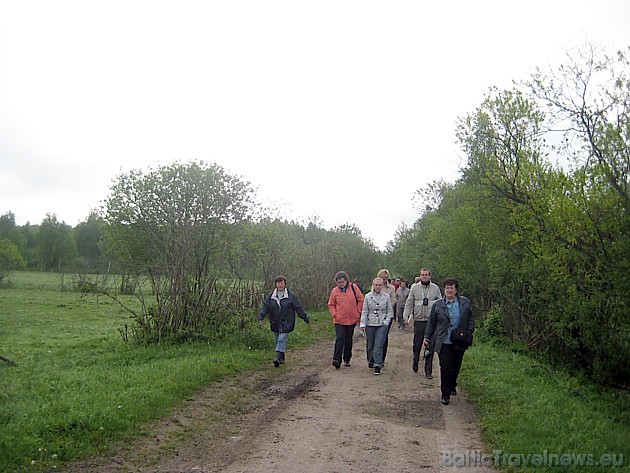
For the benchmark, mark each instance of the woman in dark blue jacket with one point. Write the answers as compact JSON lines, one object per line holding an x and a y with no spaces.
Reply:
{"x":281,"y":306}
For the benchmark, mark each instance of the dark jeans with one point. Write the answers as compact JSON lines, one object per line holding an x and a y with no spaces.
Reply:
{"x":450,"y":364}
{"x":386,"y":339}
{"x":399,"y":316}
{"x":343,"y":342}
{"x":419,"y":328}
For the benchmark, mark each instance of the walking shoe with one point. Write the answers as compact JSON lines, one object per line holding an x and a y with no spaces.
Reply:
{"x":276,"y":362}
{"x":370,"y":365}
{"x":445,"y":401}
{"x":429,"y":376}
{"x":347,"y":363}
{"x":414,"y":367}
{"x":453,"y":392}
{"x":377,"y":370}
{"x":336,"y":364}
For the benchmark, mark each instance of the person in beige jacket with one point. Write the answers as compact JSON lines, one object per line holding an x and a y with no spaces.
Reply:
{"x":421,"y":297}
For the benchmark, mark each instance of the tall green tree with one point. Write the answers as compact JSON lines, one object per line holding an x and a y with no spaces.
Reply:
{"x":9,"y":230}
{"x":55,"y":244}
{"x":29,"y":236}
{"x":177,"y":225}
{"x":546,"y":246}
{"x":10,"y":259}
{"x":589,"y":99}
{"x":89,"y":236}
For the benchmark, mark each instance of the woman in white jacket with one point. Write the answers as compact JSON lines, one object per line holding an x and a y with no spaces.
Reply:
{"x":376,"y":315}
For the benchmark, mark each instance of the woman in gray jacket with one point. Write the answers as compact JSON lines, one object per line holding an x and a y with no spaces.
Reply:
{"x":376,"y":315}
{"x":451,"y":314}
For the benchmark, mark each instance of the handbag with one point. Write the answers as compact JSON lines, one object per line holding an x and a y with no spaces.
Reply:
{"x":461,"y":338}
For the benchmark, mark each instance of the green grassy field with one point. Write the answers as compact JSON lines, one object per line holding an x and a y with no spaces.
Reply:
{"x":538,"y":418}
{"x":77,"y":386}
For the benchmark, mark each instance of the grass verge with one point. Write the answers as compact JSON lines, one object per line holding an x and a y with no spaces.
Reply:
{"x":76,"y":387}
{"x":538,"y":418}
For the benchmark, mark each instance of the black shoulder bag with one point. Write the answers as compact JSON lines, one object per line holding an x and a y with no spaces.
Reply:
{"x":460,"y":336}
{"x":354,"y":292}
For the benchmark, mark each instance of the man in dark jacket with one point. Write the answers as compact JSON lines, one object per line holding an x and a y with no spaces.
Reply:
{"x":281,"y":306}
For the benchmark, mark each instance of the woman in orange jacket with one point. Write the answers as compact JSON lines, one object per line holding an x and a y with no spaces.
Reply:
{"x":345,"y":305}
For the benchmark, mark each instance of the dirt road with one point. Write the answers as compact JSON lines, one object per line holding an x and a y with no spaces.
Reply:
{"x":307,"y":416}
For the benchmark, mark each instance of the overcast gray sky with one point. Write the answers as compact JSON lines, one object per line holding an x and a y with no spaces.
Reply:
{"x":336,"y":109}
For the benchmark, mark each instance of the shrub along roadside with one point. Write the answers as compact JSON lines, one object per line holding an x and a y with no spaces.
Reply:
{"x":77,"y":387}
{"x":530,"y":411}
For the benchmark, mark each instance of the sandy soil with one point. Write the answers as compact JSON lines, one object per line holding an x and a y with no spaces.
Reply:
{"x":307,"y":416}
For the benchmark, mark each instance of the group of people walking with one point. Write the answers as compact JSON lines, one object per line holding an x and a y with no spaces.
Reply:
{"x":441,"y":324}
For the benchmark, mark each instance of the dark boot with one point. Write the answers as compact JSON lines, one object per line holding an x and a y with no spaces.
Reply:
{"x":415,"y":365}
{"x":281,"y":357}
{"x":277,"y":361}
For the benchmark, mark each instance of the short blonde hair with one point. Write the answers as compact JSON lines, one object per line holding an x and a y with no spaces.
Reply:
{"x":383,"y":274}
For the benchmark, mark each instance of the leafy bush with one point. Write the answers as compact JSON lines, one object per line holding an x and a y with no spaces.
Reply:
{"x":10,"y":259}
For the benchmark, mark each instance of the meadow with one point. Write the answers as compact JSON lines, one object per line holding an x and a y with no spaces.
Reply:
{"x":77,"y":387}
{"x":535,"y":417}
